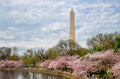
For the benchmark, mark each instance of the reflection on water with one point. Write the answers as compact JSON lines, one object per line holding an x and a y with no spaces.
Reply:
{"x":27,"y":75}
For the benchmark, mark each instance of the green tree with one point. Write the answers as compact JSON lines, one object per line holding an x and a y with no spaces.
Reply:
{"x":32,"y":61}
{"x":83,"y":51}
{"x":117,"y":43}
{"x":52,"y":53}
{"x":30,"y":58}
{"x":14,"y":57}
{"x":27,"y":61}
{"x":102,"y":41}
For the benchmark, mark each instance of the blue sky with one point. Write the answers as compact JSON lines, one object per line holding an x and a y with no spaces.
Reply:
{"x":42,"y":23}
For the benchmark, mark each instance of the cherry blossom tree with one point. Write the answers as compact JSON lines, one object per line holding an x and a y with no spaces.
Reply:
{"x":116,"y":70}
{"x":46,"y":63}
{"x":7,"y":63}
{"x":93,"y":63}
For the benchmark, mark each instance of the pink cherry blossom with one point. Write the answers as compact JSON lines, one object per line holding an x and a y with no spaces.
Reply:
{"x":90,"y":63}
{"x":7,"y":63}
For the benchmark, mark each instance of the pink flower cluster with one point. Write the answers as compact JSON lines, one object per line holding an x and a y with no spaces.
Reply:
{"x":116,"y":70}
{"x":7,"y":63}
{"x":90,"y":63}
{"x":60,"y":62}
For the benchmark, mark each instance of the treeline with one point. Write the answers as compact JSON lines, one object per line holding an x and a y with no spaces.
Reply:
{"x":9,"y":53}
{"x":32,"y":57}
{"x":102,"y":42}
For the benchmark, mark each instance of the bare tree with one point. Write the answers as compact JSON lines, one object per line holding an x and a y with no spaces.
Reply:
{"x":41,"y":54}
{"x":67,"y":47}
{"x":5,"y":52}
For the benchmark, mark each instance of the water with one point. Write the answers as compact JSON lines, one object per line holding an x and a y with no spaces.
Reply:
{"x":27,"y":75}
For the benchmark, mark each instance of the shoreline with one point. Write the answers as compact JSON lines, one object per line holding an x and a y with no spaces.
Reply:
{"x":39,"y":70}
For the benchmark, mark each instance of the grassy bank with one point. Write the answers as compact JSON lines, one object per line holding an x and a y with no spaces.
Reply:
{"x":69,"y":76}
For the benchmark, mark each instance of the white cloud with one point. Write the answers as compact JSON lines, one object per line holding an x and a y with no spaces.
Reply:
{"x":41,"y":23}
{"x":36,"y":43}
{"x":96,"y":5}
{"x":6,"y":35}
{"x":11,"y":28}
{"x":55,"y":27}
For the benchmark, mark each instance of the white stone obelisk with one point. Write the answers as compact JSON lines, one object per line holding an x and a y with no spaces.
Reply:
{"x":72,"y":25}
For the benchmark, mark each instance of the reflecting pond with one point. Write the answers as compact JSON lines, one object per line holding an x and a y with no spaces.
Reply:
{"x":27,"y":75}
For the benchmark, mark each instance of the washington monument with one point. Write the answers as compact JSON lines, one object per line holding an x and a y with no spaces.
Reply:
{"x":72,"y":26}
